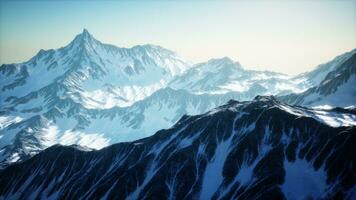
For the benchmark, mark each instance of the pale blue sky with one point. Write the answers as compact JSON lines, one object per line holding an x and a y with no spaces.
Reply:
{"x":283,"y":36}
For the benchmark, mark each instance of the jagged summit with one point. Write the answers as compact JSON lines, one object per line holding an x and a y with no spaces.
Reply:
{"x":83,"y":38}
{"x":85,"y":32}
{"x":86,"y":39}
{"x":265,"y":98}
{"x":224,"y":61}
{"x":87,"y":36}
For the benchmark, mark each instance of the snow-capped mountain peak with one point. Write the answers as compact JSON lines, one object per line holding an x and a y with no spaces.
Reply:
{"x":86,"y":33}
{"x":262,"y":98}
{"x":86,"y":65}
{"x":222,"y":60}
{"x":84,"y":38}
{"x":223,"y":75}
{"x":220,"y":63}
{"x":65,"y":85}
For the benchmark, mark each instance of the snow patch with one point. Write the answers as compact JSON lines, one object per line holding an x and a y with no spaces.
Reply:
{"x":91,"y":140}
{"x":5,"y":121}
{"x":302,"y":181}
{"x":213,"y":175}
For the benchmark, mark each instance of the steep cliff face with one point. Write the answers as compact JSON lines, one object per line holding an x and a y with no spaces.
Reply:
{"x":261,"y":149}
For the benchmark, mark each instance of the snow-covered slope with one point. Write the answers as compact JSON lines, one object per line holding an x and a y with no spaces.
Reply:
{"x":338,"y":88}
{"x":262,"y":149}
{"x":218,"y":76}
{"x":71,"y":123}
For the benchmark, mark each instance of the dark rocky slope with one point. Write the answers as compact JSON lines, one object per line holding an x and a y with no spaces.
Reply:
{"x":262,"y":149}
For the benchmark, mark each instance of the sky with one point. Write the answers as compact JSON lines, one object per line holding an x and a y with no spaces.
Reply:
{"x":284,"y":36}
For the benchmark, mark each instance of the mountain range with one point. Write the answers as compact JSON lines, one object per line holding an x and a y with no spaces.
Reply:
{"x":258,"y":149}
{"x":93,"y":94}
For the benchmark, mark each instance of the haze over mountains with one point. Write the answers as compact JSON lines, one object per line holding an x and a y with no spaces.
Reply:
{"x":94,"y":94}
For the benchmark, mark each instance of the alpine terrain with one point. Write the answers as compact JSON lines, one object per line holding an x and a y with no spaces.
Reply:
{"x":93,"y":94}
{"x":259,"y":149}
